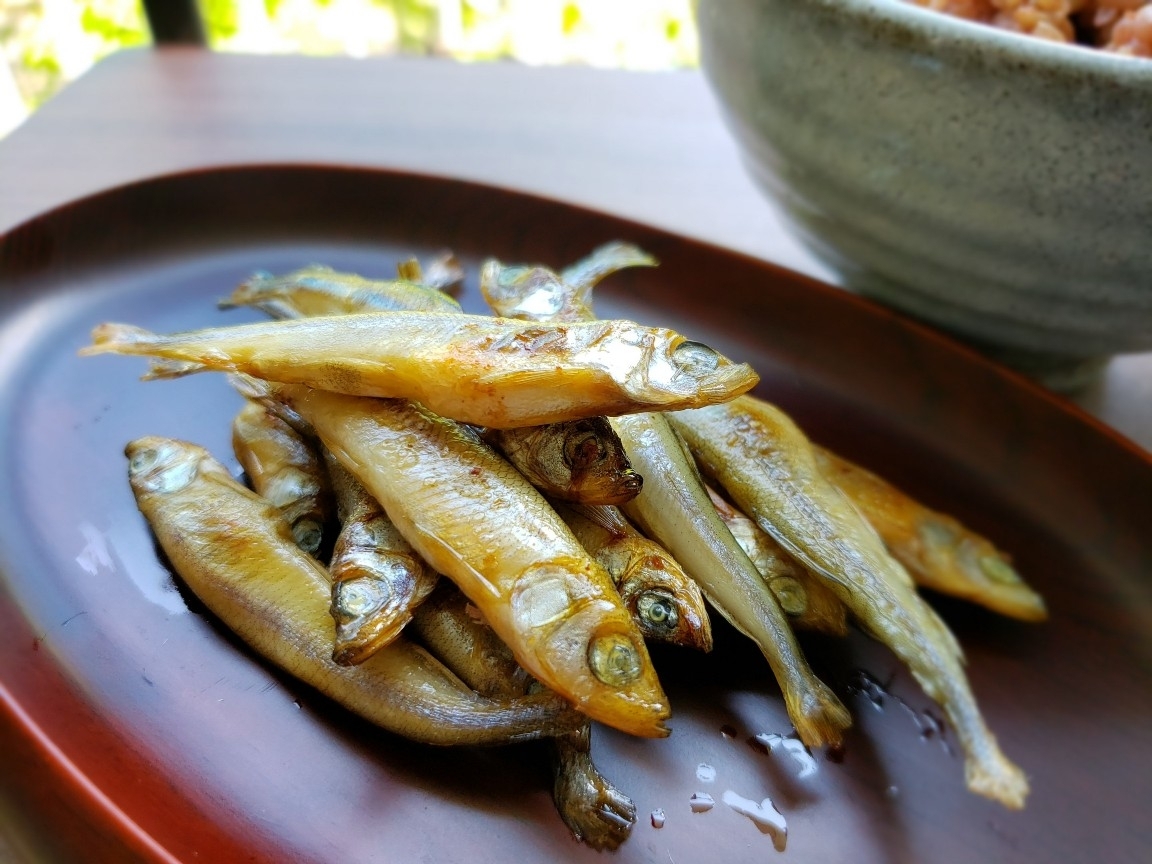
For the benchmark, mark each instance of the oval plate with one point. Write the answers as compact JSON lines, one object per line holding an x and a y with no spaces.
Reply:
{"x":135,"y":727}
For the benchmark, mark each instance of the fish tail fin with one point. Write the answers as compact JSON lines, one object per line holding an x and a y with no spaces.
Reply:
{"x":114,"y":338}
{"x":159,"y":370}
{"x":251,"y":291}
{"x":249,"y":387}
{"x":997,"y":778}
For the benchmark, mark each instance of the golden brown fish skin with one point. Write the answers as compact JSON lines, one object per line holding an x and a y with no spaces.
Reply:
{"x":285,"y":468}
{"x":674,"y":509}
{"x":939,"y":551}
{"x":765,"y":464}
{"x":595,"y":811}
{"x":664,"y":601}
{"x":235,"y":552}
{"x":577,"y":460}
{"x":474,"y":518}
{"x":454,"y":630}
{"x":318,"y":290}
{"x":476,"y":369}
{"x":377,"y":577}
{"x":808,"y":601}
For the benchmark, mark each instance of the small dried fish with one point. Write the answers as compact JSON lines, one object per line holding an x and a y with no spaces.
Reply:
{"x":674,"y":508}
{"x":285,"y":468}
{"x":377,"y":577}
{"x":808,"y":601}
{"x":235,"y":552}
{"x":594,"y":810}
{"x":577,"y":460}
{"x":474,"y":518}
{"x":939,"y":552}
{"x":480,"y":370}
{"x":765,"y":463}
{"x":319,"y":290}
{"x":665,"y":602}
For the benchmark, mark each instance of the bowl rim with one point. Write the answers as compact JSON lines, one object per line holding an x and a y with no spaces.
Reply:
{"x":951,"y":32}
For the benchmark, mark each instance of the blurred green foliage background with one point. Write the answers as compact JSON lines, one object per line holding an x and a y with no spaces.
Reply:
{"x":47,"y":43}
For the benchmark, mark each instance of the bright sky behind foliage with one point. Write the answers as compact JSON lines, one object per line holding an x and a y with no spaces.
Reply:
{"x":47,"y":43}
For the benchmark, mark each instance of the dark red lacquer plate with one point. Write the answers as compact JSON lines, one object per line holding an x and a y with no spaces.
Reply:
{"x":134,"y":727}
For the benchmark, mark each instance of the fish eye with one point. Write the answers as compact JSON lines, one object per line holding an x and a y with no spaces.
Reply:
{"x":584,"y":449}
{"x":162,"y":468}
{"x":308,"y":533}
{"x":790,"y":594}
{"x":657,"y":610}
{"x":355,"y":598}
{"x":614,"y":660}
{"x":144,"y":460}
{"x":695,"y":358}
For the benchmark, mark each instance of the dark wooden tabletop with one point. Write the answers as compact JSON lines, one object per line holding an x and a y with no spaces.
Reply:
{"x":648,"y":146}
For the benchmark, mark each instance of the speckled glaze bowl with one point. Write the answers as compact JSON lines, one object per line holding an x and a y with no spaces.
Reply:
{"x":994,"y":185}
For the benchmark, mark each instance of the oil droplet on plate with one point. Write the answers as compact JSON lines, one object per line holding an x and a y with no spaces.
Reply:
{"x":705,"y":773}
{"x":657,"y":818}
{"x":764,"y":816}
{"x":793,"y":747}
{"x":701,"y":802}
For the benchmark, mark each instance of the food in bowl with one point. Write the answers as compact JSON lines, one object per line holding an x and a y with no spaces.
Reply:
{"x":1120,"y":26}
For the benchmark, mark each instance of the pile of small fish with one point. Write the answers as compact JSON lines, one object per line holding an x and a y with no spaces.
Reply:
{"x":556,"y":468}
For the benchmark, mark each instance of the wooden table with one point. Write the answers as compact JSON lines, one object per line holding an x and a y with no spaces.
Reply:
{"x":651,"y":147}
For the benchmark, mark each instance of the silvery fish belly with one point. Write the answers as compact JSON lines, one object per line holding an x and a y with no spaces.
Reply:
{"x":492,"y":372}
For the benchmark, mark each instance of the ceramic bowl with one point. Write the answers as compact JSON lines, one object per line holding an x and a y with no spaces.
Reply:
{"x":995,"y":185}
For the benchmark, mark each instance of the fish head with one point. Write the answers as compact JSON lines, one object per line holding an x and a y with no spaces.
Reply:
{"x":165,"y":466}
{"x":531,"y":294}
{"x":373,"y":588}
{"x":663,"y":368}
{"x":592,"y":457}
{"x":664,"y":601}
{"x":585,"y":645}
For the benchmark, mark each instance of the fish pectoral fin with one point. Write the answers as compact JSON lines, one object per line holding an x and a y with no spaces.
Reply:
{"x":163,"y":369}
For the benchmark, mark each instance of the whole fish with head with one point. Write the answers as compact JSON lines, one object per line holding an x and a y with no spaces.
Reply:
{"x":576,"y":460}
{"x":377,"y":577}
{"x":939,"y":551}
{"x":319,"y":290}
{"x":474,"y":518}
{"x":284,"y":467}
{"x":477,"y":369}
{"x":665,"y":602}
{"x":765,"y":464}
{"x":675,"y":510}
{"x":235,"y":552}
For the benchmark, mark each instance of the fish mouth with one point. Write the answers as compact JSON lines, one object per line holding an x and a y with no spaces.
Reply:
{"x":161,"y":465}
{"x":627,"y":487}
{"x":727,"y":383}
